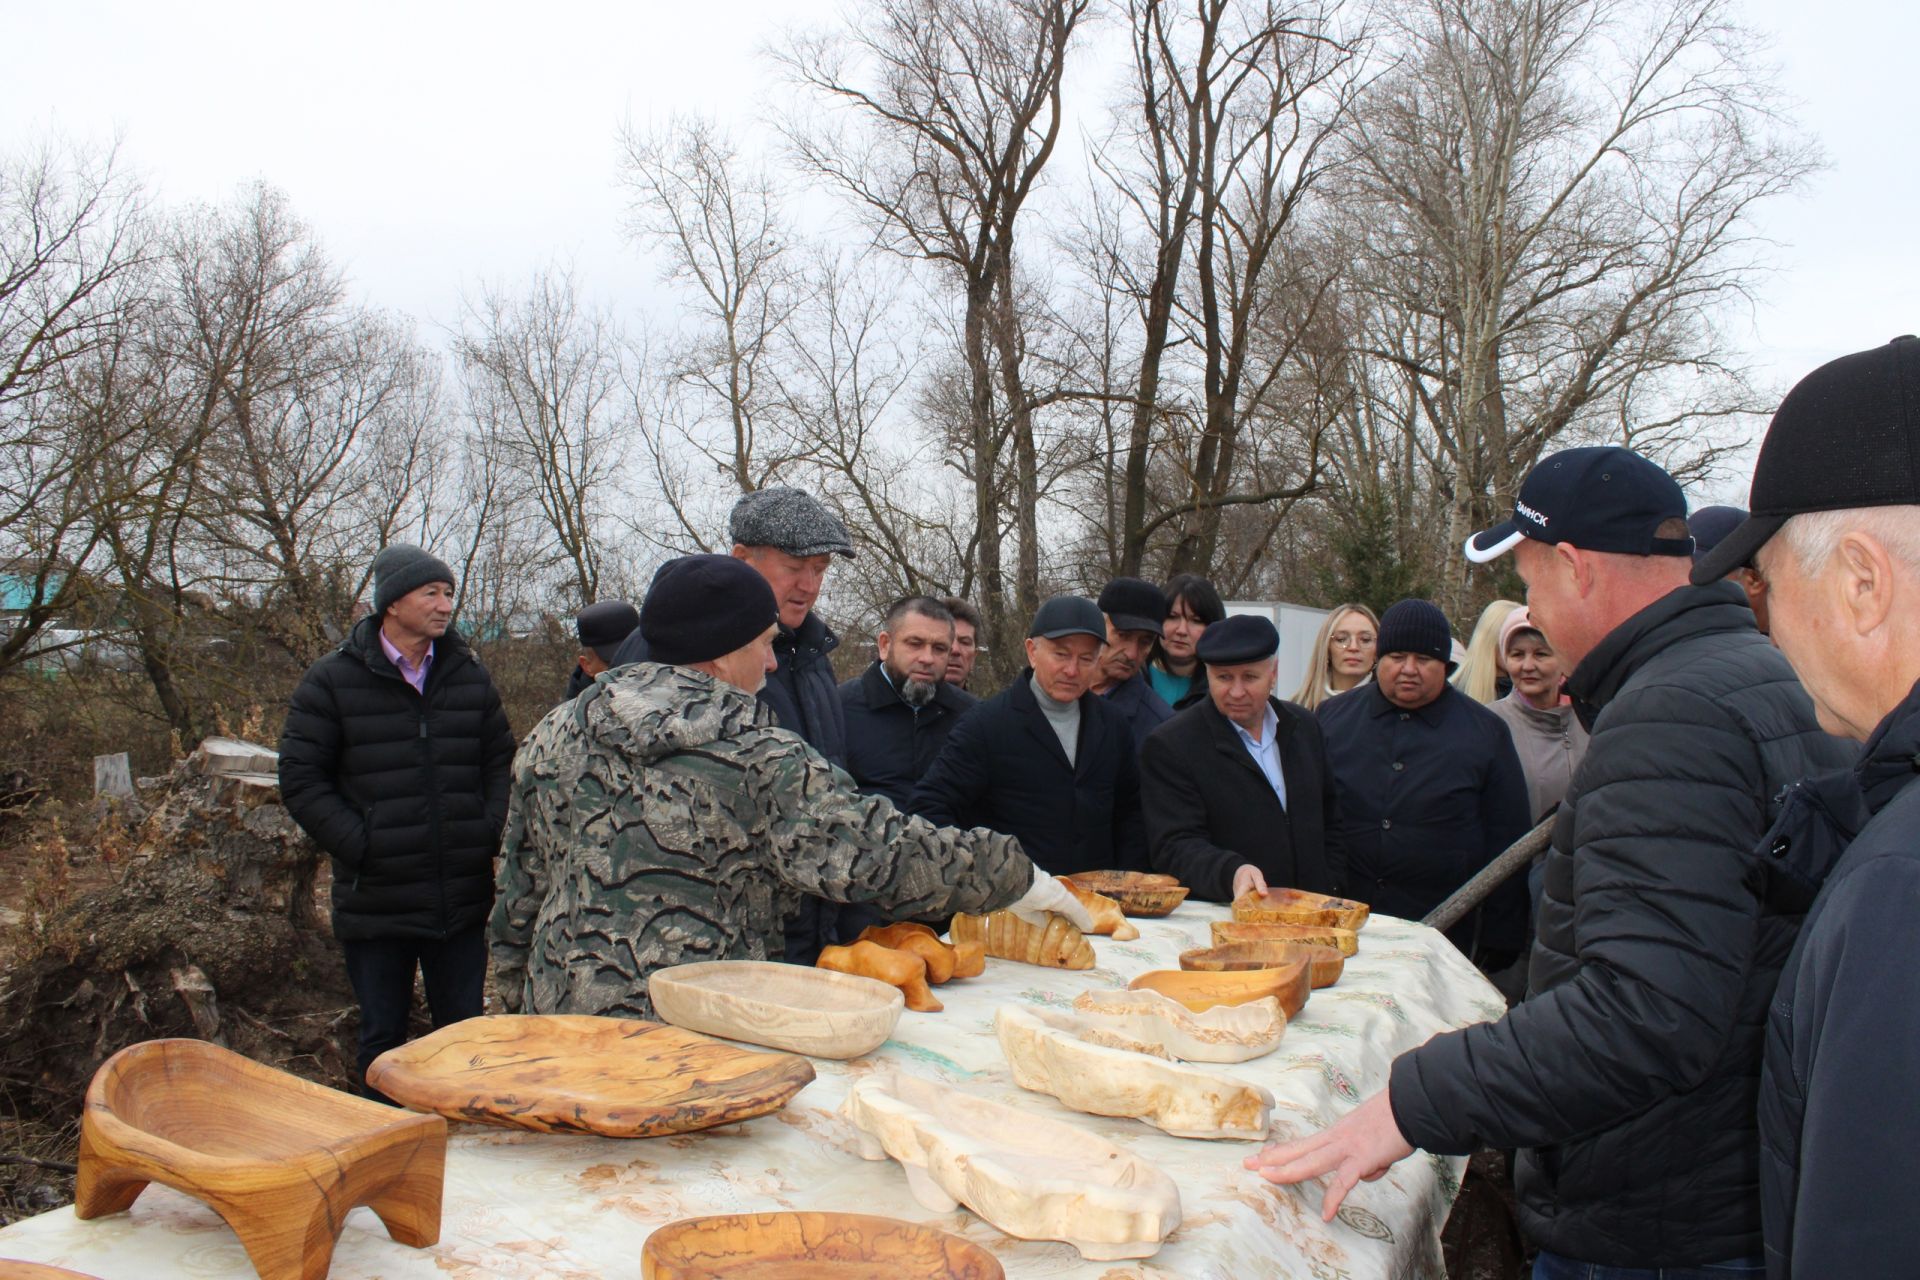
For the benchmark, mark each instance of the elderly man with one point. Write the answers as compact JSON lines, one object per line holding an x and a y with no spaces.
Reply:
{"x":1046,"y":760}
{"x":1236,"y":788}
{"x":1430,"y":787}
{"x":1835,"y":537}
{"x":1628,"y":1077}
{"x":900,"y":710}
{"x":602,"y":628}
{"x":966,"y":641}
{"x":1134,"y":611}
{"x":661,"y":818}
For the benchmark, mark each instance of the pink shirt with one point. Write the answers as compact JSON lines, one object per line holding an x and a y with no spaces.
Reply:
{"x":415,"y":676}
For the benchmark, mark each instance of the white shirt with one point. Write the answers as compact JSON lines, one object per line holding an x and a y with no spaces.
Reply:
{"x":1266,"y":751}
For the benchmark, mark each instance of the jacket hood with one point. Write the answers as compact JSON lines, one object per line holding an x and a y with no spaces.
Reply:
{"x":661,"y":710}
{"x":1681,"y":614}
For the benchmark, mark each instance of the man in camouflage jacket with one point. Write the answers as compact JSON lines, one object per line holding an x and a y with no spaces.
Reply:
{"x":661,"y":818}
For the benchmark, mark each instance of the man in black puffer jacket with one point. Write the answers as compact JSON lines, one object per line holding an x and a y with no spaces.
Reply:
{"x":395,"y":759}
{"x":1629,"y":1076}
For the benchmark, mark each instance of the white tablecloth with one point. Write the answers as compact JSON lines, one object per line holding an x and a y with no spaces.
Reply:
{"x":523,"y":1205}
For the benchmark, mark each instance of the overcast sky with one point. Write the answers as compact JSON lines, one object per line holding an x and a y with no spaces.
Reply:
{"x":434,"y":146}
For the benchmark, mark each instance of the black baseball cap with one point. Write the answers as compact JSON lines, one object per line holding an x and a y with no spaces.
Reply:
{"x":1068,"y":616}
{"x":1134,"y":604}
{"x":1597,"y":497}
{"x":1847,"y":435}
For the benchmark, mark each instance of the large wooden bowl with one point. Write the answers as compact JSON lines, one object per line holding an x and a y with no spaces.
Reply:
{"x":1345,"y":941}
{"x":803,"y":1246}
{"x":1324,"y":963}
{"x":813,"y":1011}
{"x":1289,"y":984}
{"x":617,"y":1077}
{"x":1139,"y":893}
{"x":1298,"y":906}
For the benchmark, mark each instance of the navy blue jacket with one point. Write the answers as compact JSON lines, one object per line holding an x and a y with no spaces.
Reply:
{"x":1427,"y":798}
{"x":891,"y":745}
{"x":1003,"y":768}
{"x":1144,"y":710}
{"x":1629,"y":1077}
{"x":1839,"y":1132}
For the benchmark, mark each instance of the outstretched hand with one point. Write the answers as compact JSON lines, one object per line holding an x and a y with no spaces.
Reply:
{"x":1248,"y":880}
{"x":1361,"y":1146}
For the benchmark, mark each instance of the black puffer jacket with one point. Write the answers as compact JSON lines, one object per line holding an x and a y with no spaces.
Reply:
{"x":407,"y":792}
{"x":1630,"y":1074}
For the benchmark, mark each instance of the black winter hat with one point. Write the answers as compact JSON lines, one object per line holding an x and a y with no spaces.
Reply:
{"x":704,"y":607}
{"x":402,"y":568}
{"x":1244,"y":638}
{"x":1847,"y":435}
{"x":603,"y":625}
{"x":1416,"y":626}
{"x":1134,"y":604}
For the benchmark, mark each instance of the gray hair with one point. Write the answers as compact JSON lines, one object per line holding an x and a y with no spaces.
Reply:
{"x":1814,"y":536}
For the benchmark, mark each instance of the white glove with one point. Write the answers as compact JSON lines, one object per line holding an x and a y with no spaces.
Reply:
{"x":1047,"y":894}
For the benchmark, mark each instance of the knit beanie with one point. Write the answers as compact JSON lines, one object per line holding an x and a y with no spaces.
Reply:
{"x":1416,"y":626}
{"x":704,"y":607}
{"x":401,"y":568}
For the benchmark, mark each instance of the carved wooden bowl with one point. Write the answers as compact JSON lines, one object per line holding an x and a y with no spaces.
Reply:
{"x":784,"y":1006}
{"x":564,"y":1073}
{"x":803,"y":1246}
{"x":1345,"y":941}
{"x":1139,"y":893}
{"x":1324,"y":963}
{"x":1289,"y":984}
{"x":1298,"y":906}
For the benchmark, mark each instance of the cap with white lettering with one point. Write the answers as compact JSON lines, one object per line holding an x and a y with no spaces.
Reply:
{"x":1597,"y":498}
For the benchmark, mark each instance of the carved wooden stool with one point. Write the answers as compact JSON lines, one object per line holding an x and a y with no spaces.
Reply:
{"x":279,"y":1158}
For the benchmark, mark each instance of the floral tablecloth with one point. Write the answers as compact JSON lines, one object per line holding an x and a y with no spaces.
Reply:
{"x":522,"y":1205}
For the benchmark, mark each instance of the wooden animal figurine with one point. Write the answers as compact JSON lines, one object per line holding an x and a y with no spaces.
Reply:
{"x":900,"y":969}
{"x":905,"y":935}
{"x":1059,"y":945}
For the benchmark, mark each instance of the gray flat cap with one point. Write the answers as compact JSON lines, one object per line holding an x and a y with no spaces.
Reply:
{"x":788,"y":520}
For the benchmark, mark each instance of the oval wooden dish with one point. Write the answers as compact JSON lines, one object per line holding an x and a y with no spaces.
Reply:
{"x":1345,"y":941}
{"x":1139,"y":893}
{"x":783,"y":1006}
{"x":563,"y":1073}
{"x":1325,"y":963}
{"x":806,"y":1246}
{"x":1289,"y":984}
{"x":1148,"y":1022}
{"x":1298,"y":906}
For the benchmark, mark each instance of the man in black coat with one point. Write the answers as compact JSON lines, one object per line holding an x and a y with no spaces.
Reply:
{"x":395,"y":759}
{"x":1431,"y":788}
{"x":1835,"y":540}
{"x":1046,"y":760}
{"x":602,"y":627}
{"x":1236,"y":789}
{"x":900,"y":710}
{"x":1628,"y":1077}
{"x":1134,"y":609}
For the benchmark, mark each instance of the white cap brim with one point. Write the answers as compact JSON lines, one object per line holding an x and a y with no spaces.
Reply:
{"x":1481,"y":555}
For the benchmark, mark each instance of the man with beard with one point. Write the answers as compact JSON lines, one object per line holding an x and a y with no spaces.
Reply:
{"x":1134,"y":609}
{"x":900,"y":709}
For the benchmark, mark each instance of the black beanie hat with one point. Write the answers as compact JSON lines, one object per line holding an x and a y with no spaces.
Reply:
{"x":704,"y":607}
{"x":1416,"y":626}
{"x":401,"y":568}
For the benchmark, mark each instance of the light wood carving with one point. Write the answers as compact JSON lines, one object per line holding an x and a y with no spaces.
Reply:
{"x":1148,"y":1022}
{"x":1060,"y":945}
{"x":783,"y":1006}
{"x":1201,"y":991}
{"x":969,"y":959}
{"x":1051,"y":1053}
{"x":568,"y":1073}
{"x":280,"y":1159}
{"x":1297,"y":906}
{"x":803,"y":1246}
{"x":1029,"y":1175}
{"x":920,"y":941}
{"x":1345,"y":941}
{"x":1324,"y":963}
{"x":901,"y":969}
{"x":1108,"y":919}
{"x":1139,"y":893}
{"x":12,"y":1270}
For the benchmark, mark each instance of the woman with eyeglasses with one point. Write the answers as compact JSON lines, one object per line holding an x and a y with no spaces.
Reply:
{"x":1346,"y":654}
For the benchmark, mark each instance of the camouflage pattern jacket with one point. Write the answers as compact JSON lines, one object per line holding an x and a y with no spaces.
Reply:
{"x":660,"y":818}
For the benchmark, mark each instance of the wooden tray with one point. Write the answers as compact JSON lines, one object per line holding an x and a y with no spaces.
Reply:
{"x":803,"y":1246}
{"x":1325,"y":963}
{"x":782,"y":1006}
{"x":1288,"y":984}
{"x":565,"y":1073}
{"x":1297,"y":906}
{"x":1345,"y":941}
{"x":1139,"y":893}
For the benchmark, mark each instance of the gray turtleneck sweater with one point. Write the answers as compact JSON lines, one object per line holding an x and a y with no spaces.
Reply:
{"x":1063,"y":716}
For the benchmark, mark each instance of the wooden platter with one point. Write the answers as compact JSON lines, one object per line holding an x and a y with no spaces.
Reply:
{"x":1345,"y":941}
{"x":1288,"y":984}
{"x":1324,"y":963}
{"x":811,"y":1246}
{"x":1298,"y":906}
{"x":1139,"y":893}
{"x":783,"y":1006}
{"x":1053,"y":1053}
{"x":565,"y":1073}
{"x":1148,"y":1022}
{"x":13,"y":1270}
{"x":1029,"y":1175}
